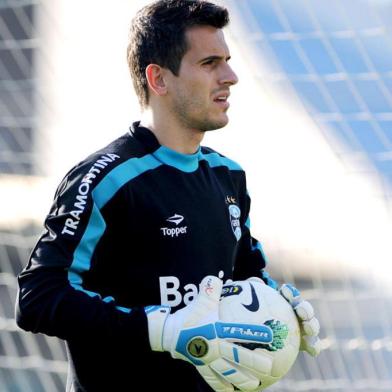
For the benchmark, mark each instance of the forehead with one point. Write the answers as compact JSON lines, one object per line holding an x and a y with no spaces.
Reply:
{"x":204,"y":41}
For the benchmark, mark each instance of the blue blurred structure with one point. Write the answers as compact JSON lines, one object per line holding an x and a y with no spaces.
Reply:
{"x":337,"y":56}
{"x":18,"y":43}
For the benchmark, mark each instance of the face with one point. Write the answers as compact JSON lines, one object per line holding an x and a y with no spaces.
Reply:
{"x":198,"y":96}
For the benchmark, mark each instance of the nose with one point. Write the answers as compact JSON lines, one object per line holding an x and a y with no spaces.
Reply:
{"x":229,"y":77}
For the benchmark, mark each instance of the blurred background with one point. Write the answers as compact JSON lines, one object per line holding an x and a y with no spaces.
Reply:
{"x":311,"y":122}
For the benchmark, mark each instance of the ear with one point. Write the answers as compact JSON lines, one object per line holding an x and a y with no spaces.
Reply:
{"x":155,"y":79}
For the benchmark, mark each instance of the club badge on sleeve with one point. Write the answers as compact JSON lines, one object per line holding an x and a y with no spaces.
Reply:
{"x":235,"y":214}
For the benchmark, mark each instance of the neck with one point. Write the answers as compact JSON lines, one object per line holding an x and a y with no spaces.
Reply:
{"x":171,"y":134}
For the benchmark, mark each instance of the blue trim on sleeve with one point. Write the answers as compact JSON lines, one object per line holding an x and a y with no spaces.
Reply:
{"x":120,"y":175}
{"x":257,"y":247}
{"x":82,"y":255}
{"x":125,"y":310}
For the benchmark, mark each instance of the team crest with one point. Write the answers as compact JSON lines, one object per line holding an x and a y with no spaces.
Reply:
{"x":235,"y":214}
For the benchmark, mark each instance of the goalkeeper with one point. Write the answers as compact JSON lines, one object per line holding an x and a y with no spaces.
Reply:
{"x":129,"y":268}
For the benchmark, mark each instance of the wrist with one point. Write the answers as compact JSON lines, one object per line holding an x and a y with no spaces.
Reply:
{"x":156,"y":318}
{"x":168,"y":330}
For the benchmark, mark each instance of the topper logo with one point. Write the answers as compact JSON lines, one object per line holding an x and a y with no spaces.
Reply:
{"x":174,"y":231}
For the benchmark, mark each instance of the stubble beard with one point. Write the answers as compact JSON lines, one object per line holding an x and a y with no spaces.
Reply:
{"x":194,"y":115}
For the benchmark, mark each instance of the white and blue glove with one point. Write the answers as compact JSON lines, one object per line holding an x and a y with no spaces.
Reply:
{"x":309,"y":324}
{"x":195,"y":334}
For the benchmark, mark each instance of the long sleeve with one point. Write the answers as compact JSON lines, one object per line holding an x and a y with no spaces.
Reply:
{"x":52,"y":298}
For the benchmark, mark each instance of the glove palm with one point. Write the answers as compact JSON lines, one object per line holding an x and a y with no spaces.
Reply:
{"x":196,"y":335}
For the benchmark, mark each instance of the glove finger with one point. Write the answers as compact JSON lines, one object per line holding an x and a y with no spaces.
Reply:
{"x":311,"y":327}
{"x":204,"y":308}
{"x":311,"y":344}
{"x":304,"y":310}
{"x":291,"y":293}
{"x":234,"y":375}
{"x":211,"y":288}
{"x":258,"y":361}
{"x":217,"y":383}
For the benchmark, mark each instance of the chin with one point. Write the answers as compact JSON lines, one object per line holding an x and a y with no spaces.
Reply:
{"x":204,"y":124}
{"x":216,"y":124}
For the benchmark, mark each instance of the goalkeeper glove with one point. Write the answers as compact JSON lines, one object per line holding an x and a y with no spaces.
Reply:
{"x":309,"y":324}
{"x":196,"y":335}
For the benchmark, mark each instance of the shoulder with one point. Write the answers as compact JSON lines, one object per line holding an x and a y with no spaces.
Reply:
{"x":216,"y":159}
{"x":104,"y":166}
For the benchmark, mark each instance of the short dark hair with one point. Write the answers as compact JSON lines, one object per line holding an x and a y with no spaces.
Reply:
{"x":157,"y":36}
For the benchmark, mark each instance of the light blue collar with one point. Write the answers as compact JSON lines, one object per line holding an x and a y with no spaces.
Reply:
{"x":184,"y":162}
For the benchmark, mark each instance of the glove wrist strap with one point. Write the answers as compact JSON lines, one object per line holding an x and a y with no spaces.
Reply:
{"x":156,"y":317}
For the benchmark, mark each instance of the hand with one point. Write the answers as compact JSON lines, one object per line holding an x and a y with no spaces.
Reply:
{"x":309,"y":325}
{"x":196,"y":335}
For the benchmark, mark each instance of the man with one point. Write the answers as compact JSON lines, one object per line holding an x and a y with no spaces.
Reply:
{"x":142,"y":222}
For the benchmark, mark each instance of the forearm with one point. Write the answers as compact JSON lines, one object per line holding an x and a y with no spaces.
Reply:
{"x":48,"y":304}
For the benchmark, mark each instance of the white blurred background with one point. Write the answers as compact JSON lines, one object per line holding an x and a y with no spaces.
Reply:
{"x":311,"y":122}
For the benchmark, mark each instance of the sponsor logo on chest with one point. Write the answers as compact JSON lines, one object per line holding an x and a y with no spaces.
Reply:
{"x":174,"y":292}
{"x":173,"y":228}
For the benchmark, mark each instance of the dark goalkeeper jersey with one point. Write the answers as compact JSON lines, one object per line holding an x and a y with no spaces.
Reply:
{"x":135,"y":224}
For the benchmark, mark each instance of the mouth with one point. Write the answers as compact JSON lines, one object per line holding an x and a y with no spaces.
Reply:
{"x":221,"y":99}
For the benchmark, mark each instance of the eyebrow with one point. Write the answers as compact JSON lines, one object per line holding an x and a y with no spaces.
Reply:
{"x":209,"y":58}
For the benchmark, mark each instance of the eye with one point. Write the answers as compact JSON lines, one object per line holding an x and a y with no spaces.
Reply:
{"x":209,"y":62}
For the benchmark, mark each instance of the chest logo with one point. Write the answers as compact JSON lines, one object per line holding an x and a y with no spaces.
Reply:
{"x":235,"y":214}
{"x":177,"y":219}
{"x":175,"y":230}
